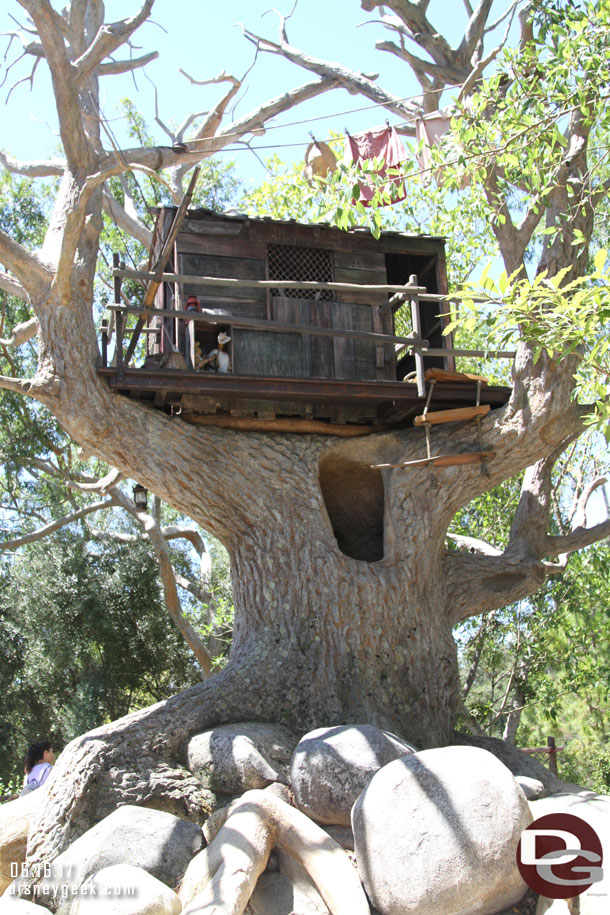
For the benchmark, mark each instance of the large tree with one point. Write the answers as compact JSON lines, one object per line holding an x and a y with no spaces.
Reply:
{"x":320,"y":637}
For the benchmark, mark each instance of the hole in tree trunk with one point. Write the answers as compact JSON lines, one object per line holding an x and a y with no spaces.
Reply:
{"x":354,"y":497}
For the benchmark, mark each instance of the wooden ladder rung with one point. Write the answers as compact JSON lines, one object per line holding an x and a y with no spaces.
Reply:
{"x":452,"y":416}
{"x":443,"y":460}
{"x":456,"y":377}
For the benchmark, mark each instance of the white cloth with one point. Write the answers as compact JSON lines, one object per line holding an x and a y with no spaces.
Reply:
{"x":40,"y":773}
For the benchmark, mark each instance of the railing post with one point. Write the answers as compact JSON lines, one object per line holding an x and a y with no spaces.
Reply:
{"x":104,"y":344}
{"x":550,"y":742}
{"x":416,"y":321}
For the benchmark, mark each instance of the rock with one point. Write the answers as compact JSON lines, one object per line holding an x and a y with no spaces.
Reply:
{"x":342,"y":835}
{"x":237,"y":757}
{"x":518,"y":762}
{"x":125,"y":890}
{"x":595,"y":810}
{"x":12,"y":905}
{"x":14,"y":825}
{"x":331,"y":767}
{"x":286,"y":892}
{"x":553,"y":907}
{"x":531,"y":787}
{"x":158,"y":842}
{"x":437,"y":832}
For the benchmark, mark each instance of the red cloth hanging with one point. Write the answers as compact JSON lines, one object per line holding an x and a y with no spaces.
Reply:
{"x":379,"y":142}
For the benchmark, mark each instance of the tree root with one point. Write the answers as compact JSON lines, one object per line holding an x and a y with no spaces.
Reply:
{"x":136,"y":760}
{"x":221,"y":878}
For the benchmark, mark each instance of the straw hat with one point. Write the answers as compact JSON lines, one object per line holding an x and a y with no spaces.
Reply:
{"x":223,"y":338}
{"x":320,"y":161}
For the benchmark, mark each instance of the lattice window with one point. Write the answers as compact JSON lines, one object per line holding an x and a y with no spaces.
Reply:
{"x":291,"y":262}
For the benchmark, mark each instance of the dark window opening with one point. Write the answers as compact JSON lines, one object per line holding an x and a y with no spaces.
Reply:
{"x":309,"y":265}
{"x":399,"y":267}
{"x":354,"y":497}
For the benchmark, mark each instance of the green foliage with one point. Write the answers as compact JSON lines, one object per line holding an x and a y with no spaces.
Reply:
{"x":84,"y":639}
{"x":558,"y":314}
{"x":431,"y":210}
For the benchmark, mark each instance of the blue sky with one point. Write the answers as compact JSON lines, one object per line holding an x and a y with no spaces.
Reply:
{"x":201,"y":37}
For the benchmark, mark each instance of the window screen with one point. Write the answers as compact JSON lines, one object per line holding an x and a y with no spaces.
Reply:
{"x":291,"y":262}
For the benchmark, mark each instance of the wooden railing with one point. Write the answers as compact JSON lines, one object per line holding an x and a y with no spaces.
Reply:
{"x":411,"y":292}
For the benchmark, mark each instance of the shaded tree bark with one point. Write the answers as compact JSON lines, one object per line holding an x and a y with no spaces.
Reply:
{"x":345,"y":595}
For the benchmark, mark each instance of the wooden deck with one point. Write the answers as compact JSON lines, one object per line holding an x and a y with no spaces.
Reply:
{"x":385,"y":403}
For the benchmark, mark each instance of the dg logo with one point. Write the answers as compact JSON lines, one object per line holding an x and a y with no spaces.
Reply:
{"x":560,"y":856}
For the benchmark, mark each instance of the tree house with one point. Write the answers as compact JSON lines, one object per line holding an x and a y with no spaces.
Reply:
{"x":325,"y":326}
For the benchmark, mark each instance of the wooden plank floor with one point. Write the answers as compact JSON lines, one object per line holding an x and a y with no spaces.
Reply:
{"x":296,"y":389}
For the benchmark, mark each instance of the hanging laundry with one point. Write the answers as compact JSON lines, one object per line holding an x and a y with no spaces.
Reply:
{"x":320,"y":161}
{"x":380,"y":142}
{"x":429,"y":130}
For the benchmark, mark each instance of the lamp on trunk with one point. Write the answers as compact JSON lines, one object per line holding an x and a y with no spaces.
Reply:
{"x":140,"y":497}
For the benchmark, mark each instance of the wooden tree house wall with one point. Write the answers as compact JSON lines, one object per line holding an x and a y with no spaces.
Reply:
{"x":338,"y":368}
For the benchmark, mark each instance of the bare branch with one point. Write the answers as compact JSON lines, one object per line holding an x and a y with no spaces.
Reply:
{"x":12,"y":285}
{"x":41,"y":169}
{"x":579,"y":519}
{"x":55,"y":525}
{"x":479,"y":584}
{"x":109,"y":37}
{"x":168,"y":578}
{"x":103,"y":485}
{"x":577,"y":539}
{"x":124,"y":221}
{"x":29,"y":270}
{"x":79,"y":152}
{"x":475,"y":30}
{"x":22,"y":332}
{"x":160,"y":157}
{"x":113,"y":67}
{"x":473,"y":545}
{"x":352,"y":81}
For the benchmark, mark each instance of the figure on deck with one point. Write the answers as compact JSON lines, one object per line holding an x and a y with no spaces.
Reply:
{"x":218,"y":360}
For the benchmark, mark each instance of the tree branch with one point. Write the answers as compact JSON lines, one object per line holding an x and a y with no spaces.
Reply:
{"x":114,"y":67}
{"x":55,"y":525}
{"x":109,"y":37}
{"x":12,"y":285}
{"x":21,"y":332}
{"x":32,"y":274}
{"x":78,"y":150}
{"x":168,"y":578}
{"x":577,"y":539}
{"x":44,"y":168}
{"x":124,"y":221}
{"x":330,"y":70}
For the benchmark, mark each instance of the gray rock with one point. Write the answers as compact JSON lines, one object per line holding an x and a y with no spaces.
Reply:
{"x":14,"y":825}
{"x":12,"y":905}
{"x":436,"y":832}
{"x":237,"y":757}
{"x":285,"y":893}
{"x":332,"y":766}
{"x":517,"y":761}
{"x":125,"y":890}
{"x":160,"y":843}
{"x":531,"y":787}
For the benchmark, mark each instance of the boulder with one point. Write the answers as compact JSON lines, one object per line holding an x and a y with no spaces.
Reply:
{"x":237,"y":757}
{"x":125,"y":890}
{"x":14,"y":825}
{"x":331,"y":767}
{"x":285,"y":892}
{"x":595,"y":810}
{"x":518,"y":762}
{"x":437,"y":831}
{"x":531,"y":787}
{"x":158,"y":842}
{"x":12,"y":905}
